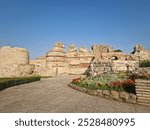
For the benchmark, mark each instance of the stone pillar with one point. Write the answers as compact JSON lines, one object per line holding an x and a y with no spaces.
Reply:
{"x":56,"y":58}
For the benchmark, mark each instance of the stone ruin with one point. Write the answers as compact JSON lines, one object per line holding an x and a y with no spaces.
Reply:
{"x":14,"y":62}
{"x":60,"y":62}
{"x":101,"y":59}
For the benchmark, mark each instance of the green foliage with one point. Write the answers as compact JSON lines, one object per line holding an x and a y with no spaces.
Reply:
{"x":144,"y":63}
{"x":46,"y":77}
{"x":9,"y":82}
{"x":117,"y":50}
{"x":116,"y":82}
{"x":89,"y":84}
{"x":107,"y":78}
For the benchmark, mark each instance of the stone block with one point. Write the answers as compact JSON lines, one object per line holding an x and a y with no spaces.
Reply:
{"x":92,"y":92}
{"x":124,"y":95}
{"x":132,"y":98}
{"x":100,"y":93}
{"x":85,"y":90}
{"x":115,"y":95}
{"x":106,"y":92}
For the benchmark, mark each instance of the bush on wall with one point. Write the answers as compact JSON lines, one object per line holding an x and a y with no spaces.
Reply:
{"x":144,"y":63}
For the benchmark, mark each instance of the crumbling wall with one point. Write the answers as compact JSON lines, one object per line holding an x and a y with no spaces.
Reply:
{"x":98,"y":50}
{"x":41,"y":67}
{"x":100,"y":67}
{"x":79,"y":61}
{"x":60,"y":62}
{"x":119,"y":65}
{"x":14,"y":62}
{"x":139,"y":53}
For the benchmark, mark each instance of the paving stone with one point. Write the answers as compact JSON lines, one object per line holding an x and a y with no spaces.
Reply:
{"x":54,"y":95}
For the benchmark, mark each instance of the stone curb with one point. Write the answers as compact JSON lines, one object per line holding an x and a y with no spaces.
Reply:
{"x":113,"y":95}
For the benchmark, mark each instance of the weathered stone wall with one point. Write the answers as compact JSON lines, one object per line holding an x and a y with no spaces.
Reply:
{"x":120,"y":65}
{"x":106,"y":52}
{"x":99,"y":67}
{"x":98,"y":50}
{"x":9,"y":55}
{"x":143,"y":91}
{"x":14,"y":62}
{"x":114,"y":56}
{"x":139,"y":53}
{"x":141,"y":72}
{"x":80,"y":61}
{"x":56,"y":58}
{"x":41,"y":68}
{"x":106,"y":66}
{"x":60,"y":62}
{"x":142,"y":55}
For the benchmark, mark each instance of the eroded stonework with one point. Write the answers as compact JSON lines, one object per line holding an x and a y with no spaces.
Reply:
{"x":100,"y":59}
{"x":59,"y":62}
{"x":14,"y":62}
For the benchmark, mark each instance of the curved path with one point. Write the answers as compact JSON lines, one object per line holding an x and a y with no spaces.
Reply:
{"x":53,"y":95}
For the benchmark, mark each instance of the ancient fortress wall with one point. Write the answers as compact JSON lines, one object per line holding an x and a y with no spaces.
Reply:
{"x":102,"y":58}
{"x":9,"y":55}
{"x":142,"y":55}
{"x":61,"y":62}
{"x":14,"y":62}
{"x":41,"y":67}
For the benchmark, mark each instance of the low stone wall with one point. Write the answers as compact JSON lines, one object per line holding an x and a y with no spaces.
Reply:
{"x":100,"y":67}
{"x":119,"y":96}
{"x":119,"y":65}
{"x":143,"y":91}
{"x":141,"y":71}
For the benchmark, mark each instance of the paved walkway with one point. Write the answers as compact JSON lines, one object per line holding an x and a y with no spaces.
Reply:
{"x":53,"y":95}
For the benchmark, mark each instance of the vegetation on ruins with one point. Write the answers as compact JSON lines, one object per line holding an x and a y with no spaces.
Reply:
{"x":144,"y":63}
{"x":117,"y":82}
{"x":118,"y":50}
{"x":9,"y":82}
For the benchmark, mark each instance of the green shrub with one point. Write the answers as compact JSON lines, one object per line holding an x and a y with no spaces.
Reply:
{"x":117,"y":50}
{"x":116,"y":82}
{"x":107,"y":78}
{"x":144,"y":63}
{"x":44,"y":77}
{"x":9,"y":82}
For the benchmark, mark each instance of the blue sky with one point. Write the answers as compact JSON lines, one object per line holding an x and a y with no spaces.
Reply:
{"x":38,"y":24}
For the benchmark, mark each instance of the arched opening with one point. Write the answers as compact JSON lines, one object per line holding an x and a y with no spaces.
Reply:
{"x":114,"y":58}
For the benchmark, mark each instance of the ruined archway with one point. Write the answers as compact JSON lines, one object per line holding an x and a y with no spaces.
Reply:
{"x":114,"y":58}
